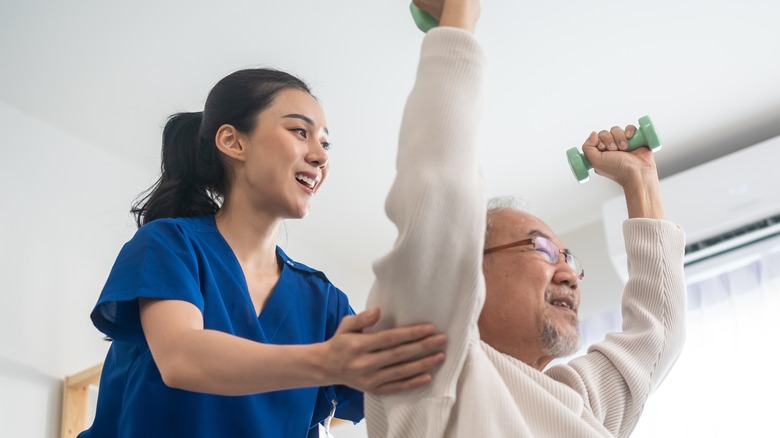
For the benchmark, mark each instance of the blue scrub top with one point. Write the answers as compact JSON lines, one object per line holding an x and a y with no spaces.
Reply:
{"x":187,"y":259}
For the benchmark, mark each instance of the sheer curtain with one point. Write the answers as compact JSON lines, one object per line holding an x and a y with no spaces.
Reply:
{"x":725,"y":382}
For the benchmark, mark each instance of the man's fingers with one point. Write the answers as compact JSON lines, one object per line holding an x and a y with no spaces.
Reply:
{"x":432,"y":7}
{"x":593,"y":140}
{"x":620,"y":137}
{"x":630,"y":131}
{"x":607,"y":141}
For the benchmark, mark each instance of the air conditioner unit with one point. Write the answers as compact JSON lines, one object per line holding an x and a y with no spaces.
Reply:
{"x":723,"y":205}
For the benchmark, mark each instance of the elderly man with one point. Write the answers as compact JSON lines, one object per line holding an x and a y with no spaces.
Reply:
{"x":508,"y":313}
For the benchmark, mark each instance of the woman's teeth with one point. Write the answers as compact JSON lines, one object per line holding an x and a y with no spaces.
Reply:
{"x":310,"y":183}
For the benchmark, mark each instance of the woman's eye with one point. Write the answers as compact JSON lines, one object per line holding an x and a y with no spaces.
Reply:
{"x":326,"y":145}
{"x":301,"y":131}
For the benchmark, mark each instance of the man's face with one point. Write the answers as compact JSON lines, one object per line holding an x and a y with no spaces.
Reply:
{"x":531,"y":305}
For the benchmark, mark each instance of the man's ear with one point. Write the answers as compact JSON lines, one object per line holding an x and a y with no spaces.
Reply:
{"x":228,"y":140}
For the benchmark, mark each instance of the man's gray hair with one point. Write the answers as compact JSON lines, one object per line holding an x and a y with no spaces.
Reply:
{"x":510,"y":201}
{"x":503,"y":202}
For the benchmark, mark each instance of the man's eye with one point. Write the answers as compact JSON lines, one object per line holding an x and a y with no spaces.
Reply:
{"x":547,"y":253}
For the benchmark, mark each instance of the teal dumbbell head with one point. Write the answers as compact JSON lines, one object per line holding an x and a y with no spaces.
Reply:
{"x":422,"y":19}
{"x":645,"y":136}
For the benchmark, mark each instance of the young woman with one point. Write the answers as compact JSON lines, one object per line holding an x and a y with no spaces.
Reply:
{"x":215,"y":331}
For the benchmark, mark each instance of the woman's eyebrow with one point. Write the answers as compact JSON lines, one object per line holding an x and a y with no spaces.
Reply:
{"x":306,"y":119}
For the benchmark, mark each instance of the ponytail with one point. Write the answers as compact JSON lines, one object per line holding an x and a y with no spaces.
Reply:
{"x":192,"y":179}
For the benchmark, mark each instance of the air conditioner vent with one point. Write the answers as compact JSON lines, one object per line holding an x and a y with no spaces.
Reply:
{"x":733,"y":239}
{"x":723,"y":205}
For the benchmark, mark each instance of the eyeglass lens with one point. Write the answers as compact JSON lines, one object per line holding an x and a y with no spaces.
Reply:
{"x":550,"y":249}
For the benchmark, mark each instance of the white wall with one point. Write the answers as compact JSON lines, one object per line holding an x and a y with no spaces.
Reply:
{"x":65,"y":215}
{"x":29,"y":400}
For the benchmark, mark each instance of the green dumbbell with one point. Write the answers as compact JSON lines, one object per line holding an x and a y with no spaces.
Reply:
{"x":422,"y":19}
{"x":645,"y":136}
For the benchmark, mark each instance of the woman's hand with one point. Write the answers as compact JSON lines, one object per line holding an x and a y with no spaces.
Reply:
{"x":379,"y":363}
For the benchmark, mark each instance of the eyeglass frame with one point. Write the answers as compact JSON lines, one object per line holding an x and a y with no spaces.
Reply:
{"x":532,"y":241}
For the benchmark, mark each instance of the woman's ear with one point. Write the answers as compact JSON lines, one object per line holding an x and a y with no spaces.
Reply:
{"x":228,"y":141}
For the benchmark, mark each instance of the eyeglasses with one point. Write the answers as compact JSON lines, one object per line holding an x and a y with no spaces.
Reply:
{"x":548,"y":248}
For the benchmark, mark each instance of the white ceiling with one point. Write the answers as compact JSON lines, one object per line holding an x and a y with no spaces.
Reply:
{"x":707,"y":72}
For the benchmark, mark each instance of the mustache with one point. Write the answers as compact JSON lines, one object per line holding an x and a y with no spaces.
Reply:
{"x":562,"y":291}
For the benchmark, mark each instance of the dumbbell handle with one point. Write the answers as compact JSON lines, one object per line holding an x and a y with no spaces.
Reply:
{"x":645,"y":136}
{"x":422,"y":19}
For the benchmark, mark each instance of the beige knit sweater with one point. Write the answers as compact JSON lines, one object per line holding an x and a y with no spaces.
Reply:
{"x":433,"y":274}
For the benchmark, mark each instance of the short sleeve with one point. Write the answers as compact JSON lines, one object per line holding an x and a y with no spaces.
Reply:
{"x":158,"y":262}
{"x":349,"y":401}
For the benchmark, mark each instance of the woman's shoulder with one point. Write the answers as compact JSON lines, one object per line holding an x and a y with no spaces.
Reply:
{"x":314,"y":288}
{"x":181,"y":226}
{"x":311,"y":276}
{"x":298,"y":266}
{"x":195,"y":223}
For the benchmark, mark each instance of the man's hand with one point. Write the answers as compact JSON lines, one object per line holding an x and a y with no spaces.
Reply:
{"x":462,"y":14}
{"x":635,"y":171}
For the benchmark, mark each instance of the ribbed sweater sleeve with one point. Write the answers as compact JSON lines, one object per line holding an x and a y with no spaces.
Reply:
{"x":433,"y":272}
{"x":618,"y":374}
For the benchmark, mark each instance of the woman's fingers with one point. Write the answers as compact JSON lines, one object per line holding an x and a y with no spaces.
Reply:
{"x":403,"y":385}
{"x":427,"y":346}
{"x":391,"y":360}
{"x":390,"y":338}
{"x":404,"y":366}
{"x":359,"y":322}
{"x":403,"y":376}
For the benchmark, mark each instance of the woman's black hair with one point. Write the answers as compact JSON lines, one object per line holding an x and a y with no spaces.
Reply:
{"x":193,"y":177}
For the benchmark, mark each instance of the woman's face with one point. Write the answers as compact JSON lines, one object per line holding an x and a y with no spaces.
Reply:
{"x":286,"y":158}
